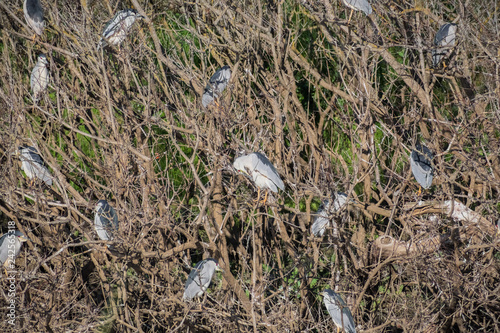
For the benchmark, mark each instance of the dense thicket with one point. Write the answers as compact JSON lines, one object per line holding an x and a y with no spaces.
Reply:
{"x":335,"y":105}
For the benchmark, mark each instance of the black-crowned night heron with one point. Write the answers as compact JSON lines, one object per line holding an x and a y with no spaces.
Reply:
{"x":39,"y":79}
{"x":216,"y":85}
{"x":105,"y":221}
{"x":33,"y":13}
{"x":260,"y":170}
{"x":445,"y":39}
{"x":33,"y":165}
{"x":421,"y":167}
{"x":322,"y":217}
{"x":10,"y":246}
{"x":117,"y":29}
{"x":339,"y":311}
{"x":199,"y":279}
{"x":361,"y":5}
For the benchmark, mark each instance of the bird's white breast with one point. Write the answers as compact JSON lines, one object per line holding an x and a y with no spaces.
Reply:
{"x":39,"y":79}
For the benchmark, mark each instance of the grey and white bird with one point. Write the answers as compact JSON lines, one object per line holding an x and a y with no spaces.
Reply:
{"x":117,"y":29}
{"x":338,"y":310}
{"x":33,"y":165}
{"x":445,"y":39}
{"x":199,"y":278}
{"x":33,"y":13}
{"x":39,"y":79}
{"x":361,"y":5}
{"x":105,"y":221}
{"x":10,"y":246}
{"x":322,"y":218}
{"x":260,"y":170}
{"x":216,"y":85}
{"x":421,"y":167}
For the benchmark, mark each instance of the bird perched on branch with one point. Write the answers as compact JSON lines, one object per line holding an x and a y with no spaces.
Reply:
{"x":338,"y":310}
{"x":445,"y":39}
{"x":10,"y":247}
{"x":33,"y":13}
{"x":362,"y":5}
{"x":33,"y":165}
{"x":199,"y":279}
{"x":420,"y":162}
{"x":39,"y":79}
{"x":117,"y":29}
{"x":322,"y":218}
{"x":105,"y":221}
{"x":259,"y":169}
{"x":216,"y":85}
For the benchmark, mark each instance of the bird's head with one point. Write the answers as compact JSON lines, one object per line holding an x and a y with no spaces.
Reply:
{"x":42,"y":59}
{"x":327,"y":295}
{"x":134,"y":13}
{"x":18,"y":151}
{"x":100,"y":204}
{"x":218,"y":268}
{"x":240,"y":168}
{"x":20,"y":236}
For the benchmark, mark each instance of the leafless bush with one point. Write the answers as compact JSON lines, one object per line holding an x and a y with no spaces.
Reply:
{"x":336,"y":106}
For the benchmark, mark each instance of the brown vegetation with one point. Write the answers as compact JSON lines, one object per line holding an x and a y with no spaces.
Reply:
{"x":335,"y":107}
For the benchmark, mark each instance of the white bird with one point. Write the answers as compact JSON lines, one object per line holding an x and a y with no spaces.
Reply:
{"x":420,"y":162}
{"x":105,"y":221}
{"x":362,"y":5}
{"x":260,"y":170}
{"x":33,"y":166}
{"x":10,"y":246}
{"x":117,"y":29}
{"x":445,"y":39}
{"x":338,"y":310}
{"x":218,"y":82}
{"x":199,"y":278}
{"x":39,"y":79}
{"x":33,"y":13}
{"x":322,"y":219}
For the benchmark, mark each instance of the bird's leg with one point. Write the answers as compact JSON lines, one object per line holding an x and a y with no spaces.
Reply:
{"x":350,"y":16}
{"x":419,"y":192}
{"x":258,"y":195}
{"x":204,"y":300}
{"x":263,"y":202}
{"x":200,"y":304}
{"x":5,"y":264}
{"x":338,"y":329}
{"x":217,"y":106}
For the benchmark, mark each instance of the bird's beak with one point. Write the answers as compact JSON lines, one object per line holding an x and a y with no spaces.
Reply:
{"x":219,"y":269}
{"x":242,"y":172}
{"x":23,"y":238}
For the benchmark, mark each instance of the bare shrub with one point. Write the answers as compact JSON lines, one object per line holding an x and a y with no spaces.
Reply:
{"x":336,"y":106}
